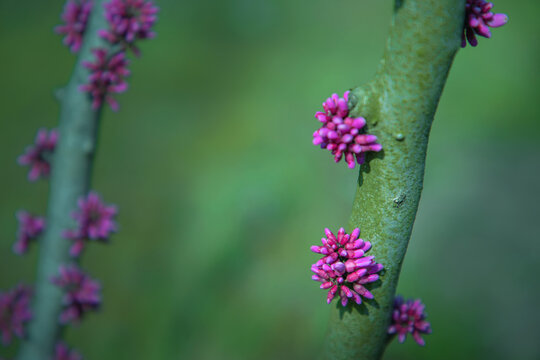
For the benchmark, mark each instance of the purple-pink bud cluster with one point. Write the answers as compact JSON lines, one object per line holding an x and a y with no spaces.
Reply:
{"x":95,"y":221}
{"x":75,"y":17}
{"x":38,"y":156}
{"x":478,"y":20}
{"x":81,"y":293}
{"x":409,"y":317}
{"x":107,"y":76}
{"x":14,"y":312}
{"x":30,"y":227}
{"x":63,"y":352}
{"x":344,"y":268}
{"x":342,"y":134}
{"x":129,"y":20}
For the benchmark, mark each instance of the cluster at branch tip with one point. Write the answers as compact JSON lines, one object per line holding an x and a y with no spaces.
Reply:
{"x":63,"y":352}
{"x":129,"y":20}
{"x":81,"y":293}
{"x":409,"y":317}
{"x":478,"y":20}
{"x":30,"y":227}
{"x":341,"y":134}
{"x":14,"y":312}
{"x":95,"y":221}
{"x":38,"y":156}
{"x":344,"y":269}
{"x":107,"y":77}
{"x":75,"y":17}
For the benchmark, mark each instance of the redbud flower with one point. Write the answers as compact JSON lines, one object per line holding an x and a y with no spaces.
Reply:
{"x":409,"y":317}
{"x":345,"y":269}
{"x":75,"y":16}
{"x":95,"y":222}
{"x":82,"y":293}
{"x":38,"y":156}
{"x":129,"y":20}
{"x":478,"y":20}
{"x":107,"y":77}
{"x":62,"y":352}
{"x":30,"y":227}
{"x":14,"y":312}
{"x":341,"y":134}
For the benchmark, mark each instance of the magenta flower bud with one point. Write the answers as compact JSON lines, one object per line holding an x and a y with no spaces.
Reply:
{"x":30,"y":227}
{"x":38,"y":156}
{"x":348,"y":270}
{"x":15,"y":312}
{"x":63,"y":352}
{"x":409,"y":317}
{"x":354,"y":245}
{"x":75,"y":17}
{"x":363,"y":291}
{"x":81,"y":293}
{"x":95,"y":221}
{"x":355,"y":276}
{"x":478,"y":20}
{"x":129,"y":20}
{"x":339,"y":267}
{"x":340,"y":133}
{"x":327,"y":285}
{"x":497,"y":20}
{"x":108,"y":73}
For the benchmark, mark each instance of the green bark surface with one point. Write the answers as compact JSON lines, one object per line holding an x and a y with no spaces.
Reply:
{"x":399,"y":106}
{"x":70,"y":179}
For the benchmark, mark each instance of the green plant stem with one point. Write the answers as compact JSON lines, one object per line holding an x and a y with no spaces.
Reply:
{"x":399,"y":106}
{"x":70,"y":179}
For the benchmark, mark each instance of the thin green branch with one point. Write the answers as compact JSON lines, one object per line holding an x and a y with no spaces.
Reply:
{"x":399,"y":106}
{"x":70,"y":179}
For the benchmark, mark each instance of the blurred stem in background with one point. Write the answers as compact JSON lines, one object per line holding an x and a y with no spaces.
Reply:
{"x":70,"y":180}
{"x":399,"y":106}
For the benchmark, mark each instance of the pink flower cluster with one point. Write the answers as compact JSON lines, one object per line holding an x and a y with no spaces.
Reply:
{"x":30,"y":227}
{"x":75,"y":17}
{"x":129,"y":20}
{"x":38,"y":156}
{"x":95,"y":221}
{"x":14,"y":312}
{"x":341,"y":134}
{"x":344,"y":269}
{"x":62,"y":352}
{"x":409,"y":317}
{"x":82,"y":293}
{"x":478,"y":20}
{"x":107,"y":76}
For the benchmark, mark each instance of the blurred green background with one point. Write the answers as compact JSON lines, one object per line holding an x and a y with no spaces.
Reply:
{"x":221,"y":192}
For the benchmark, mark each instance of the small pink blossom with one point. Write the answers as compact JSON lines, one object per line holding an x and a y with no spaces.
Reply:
{"x":30,"y":227}
{"x":478,"y":20}
{"x":38,"y":156}
{"x":95,"y":221}
{"x":344,"y":269}
{"x":107,"y":76}
{"x":14,"y":312}
{"x":62,"y":352}
{"x":409,"y":317}
{"x":129,"y":20}
{"x":341,"y":134}
{"x":75,"y":17}
{"x":82,"y":293}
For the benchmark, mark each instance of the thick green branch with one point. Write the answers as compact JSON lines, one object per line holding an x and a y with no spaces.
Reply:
{"x":399,"y":105}
{"x":70,"y":179}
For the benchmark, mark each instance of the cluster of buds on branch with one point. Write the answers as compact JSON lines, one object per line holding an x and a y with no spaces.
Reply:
{"x":128,"y":21}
